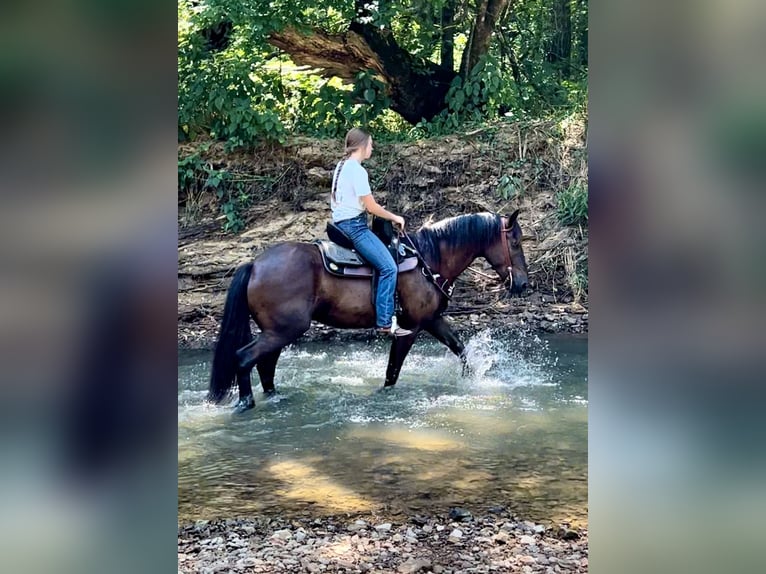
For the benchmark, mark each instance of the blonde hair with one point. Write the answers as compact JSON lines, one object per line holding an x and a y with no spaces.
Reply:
{"x":356,"y":138}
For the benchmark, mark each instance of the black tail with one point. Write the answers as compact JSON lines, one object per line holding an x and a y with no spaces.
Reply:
{"x":235,"y":334}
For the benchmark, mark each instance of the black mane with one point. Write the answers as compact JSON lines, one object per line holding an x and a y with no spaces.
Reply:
{"x":477,"y":229}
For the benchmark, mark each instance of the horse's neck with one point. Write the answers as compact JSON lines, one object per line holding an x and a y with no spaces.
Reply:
{"x":454,"y":262}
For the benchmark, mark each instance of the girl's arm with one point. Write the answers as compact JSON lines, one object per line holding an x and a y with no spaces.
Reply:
{"x":376,"y":209}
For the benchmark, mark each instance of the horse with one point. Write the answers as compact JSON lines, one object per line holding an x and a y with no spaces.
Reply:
{"x":286,"y":287}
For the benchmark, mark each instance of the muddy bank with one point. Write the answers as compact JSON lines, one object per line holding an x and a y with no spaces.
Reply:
{"x":450,"y":544}
{"x":543,"y":317}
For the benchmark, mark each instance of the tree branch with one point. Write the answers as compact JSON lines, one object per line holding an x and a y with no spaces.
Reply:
{"x":341,"y":55}
{"x":416,"y":87}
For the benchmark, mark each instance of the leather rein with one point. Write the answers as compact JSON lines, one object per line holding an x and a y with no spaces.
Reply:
{"x":506,"y":247}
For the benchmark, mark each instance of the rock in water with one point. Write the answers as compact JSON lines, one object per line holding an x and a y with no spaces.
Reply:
{"x":568,"y":534}
{"x":460,"y":514}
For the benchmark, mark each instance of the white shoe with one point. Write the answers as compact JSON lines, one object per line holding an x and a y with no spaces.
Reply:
{"x":397,"y":332}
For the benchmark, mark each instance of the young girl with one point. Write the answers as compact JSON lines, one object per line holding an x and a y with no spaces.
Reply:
{"x":350,"y":200}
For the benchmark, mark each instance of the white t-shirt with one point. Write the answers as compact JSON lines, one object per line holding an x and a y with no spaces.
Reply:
{"x":353,"y":184}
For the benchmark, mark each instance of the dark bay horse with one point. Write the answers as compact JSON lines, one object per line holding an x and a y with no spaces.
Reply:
{"x":286,"y":287}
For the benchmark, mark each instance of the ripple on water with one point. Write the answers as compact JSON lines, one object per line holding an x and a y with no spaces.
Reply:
{"x":188,"y":396}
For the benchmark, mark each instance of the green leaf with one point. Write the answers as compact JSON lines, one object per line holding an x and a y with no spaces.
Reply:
{"x":369,"y":95}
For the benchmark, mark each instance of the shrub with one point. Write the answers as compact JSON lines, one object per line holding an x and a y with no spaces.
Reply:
{"x":572,"y":206}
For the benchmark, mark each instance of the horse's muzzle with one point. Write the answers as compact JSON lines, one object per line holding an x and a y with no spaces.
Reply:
{"x":517,"y":286}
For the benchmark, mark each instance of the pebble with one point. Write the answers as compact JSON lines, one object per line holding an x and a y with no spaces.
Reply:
{"x":282,"y":534}
{"x":502,"y":537}
{"x":413,"y":565}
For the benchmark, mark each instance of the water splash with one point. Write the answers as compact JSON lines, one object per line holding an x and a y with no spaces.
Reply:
{"x":481,"y":352}
{"x":497,"y":360}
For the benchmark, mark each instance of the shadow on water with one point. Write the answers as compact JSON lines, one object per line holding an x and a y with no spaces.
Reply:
{"x":514,"y":433}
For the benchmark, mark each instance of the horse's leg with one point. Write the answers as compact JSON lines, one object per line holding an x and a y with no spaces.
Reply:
{"x":246,"y":400}
{"x":442,"y":331}
{"x":399,"y":349}
{"x":264,"y":353}
{"x":266,"y":367}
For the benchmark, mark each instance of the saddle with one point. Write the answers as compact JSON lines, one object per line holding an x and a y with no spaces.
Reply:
{"x":340,"y":259}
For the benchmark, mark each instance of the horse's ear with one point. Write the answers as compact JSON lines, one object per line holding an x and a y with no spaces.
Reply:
{"x":512,"y":218}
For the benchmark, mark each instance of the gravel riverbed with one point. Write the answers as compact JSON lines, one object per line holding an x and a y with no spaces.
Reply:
{"x":449,"y":544}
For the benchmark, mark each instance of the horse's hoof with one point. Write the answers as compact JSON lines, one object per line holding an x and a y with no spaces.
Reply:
{"x":386,"y":388}
{"x":244,"y":404}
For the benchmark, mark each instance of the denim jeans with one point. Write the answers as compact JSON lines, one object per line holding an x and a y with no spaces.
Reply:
{"x":376,"y":254}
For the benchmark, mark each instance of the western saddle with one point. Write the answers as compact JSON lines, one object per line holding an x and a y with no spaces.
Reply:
{"x":341,"y":259}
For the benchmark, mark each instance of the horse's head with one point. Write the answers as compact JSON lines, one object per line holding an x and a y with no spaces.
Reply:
{"x":506,"y":255}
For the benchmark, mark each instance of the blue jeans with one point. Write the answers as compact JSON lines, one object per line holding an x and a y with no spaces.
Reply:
{"x":376,"y":254}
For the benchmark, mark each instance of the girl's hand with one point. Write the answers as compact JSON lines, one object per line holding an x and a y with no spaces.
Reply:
{"x":399,"y":222}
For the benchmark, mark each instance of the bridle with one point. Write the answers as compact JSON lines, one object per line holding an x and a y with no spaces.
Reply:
{"x":506,"y":247}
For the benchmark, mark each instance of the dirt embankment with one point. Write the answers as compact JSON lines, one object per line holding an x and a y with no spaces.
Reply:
{"x":499,"y":169}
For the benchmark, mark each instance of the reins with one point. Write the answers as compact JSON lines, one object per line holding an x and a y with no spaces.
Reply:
{"x":506,"y":248}
{"x":427,"y":272}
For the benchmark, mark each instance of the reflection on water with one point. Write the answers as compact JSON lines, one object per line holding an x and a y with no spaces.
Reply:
{"x":513,"y":433}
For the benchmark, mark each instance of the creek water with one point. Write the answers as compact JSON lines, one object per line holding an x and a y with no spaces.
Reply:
{"x":512,"y":433}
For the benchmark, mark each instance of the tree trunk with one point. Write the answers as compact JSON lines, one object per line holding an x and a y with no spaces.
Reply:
{"x":560,"y":48}
{"x":583,"y":40}
{"x":487,"y":16}
{"x":448,"y":35}
{"x":415,"y":86}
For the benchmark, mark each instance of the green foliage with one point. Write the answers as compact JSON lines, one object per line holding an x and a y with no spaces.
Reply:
{"x":572,"y":205}
{"x":509,"y":186}
{"x":245,"y":91}
{"x":524,"y":40}
{"x":196,"y":175}
{"x":229,"y":98}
